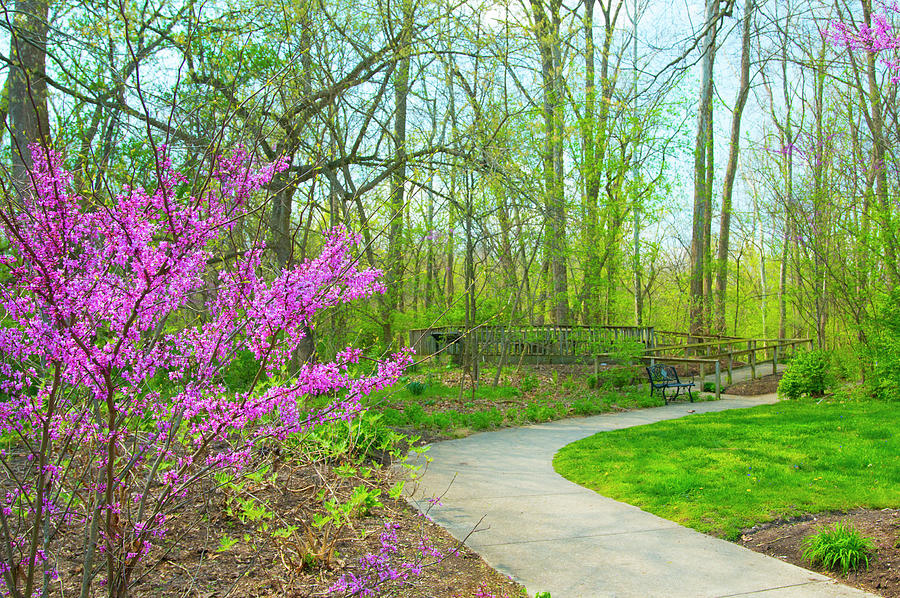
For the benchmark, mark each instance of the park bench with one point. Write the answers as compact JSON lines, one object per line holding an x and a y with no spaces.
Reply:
{"x":664,"y":377}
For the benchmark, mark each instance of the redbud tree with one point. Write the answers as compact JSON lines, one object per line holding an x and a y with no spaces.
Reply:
{"x":112,"y":345}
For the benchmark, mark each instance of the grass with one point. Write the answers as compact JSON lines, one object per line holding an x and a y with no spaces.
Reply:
{"x":722,"y":472}
{"x":440,"y":409}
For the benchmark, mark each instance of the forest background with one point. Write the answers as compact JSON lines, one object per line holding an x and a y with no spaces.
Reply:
{"x":521,"y":163}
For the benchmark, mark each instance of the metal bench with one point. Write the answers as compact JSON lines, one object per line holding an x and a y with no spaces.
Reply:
{"x":664,"y":377}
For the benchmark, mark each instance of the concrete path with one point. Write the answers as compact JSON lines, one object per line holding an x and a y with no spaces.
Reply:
{"x":555,"y":536}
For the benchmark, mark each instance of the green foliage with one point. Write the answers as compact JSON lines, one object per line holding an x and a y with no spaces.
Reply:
{"x":882,"y":351}
{"x":808,"y":374}
{"x":626,"y":351}
{"x":364,"y":500}
{"x":840,"y":548}
{"x":612,"y":378}
{"x":226,"y":543}
{"x":416,"y":388}
{"x":241,"y":372}
{"x":709,"y":387}
{"x":528,"y":383}
{"x":367,"y":435}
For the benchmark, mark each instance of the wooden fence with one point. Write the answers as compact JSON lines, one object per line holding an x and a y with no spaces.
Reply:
{"x":715,"y":353}
{"x":584,"y":344}
{"x":527,"y":344}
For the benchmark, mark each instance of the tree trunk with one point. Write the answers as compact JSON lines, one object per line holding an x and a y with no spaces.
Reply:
{"x":699,"y":241}
{"x":393,"y":272}
{"x":27,"y":84}
{"x":731,"y":169}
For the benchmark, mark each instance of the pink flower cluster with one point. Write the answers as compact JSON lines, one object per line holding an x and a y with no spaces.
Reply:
{"x":876,"y":39}
{"x":386,"y":568}
{"x":103,"y":301}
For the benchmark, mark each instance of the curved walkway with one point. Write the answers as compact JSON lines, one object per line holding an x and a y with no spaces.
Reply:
{"x":555,"y":536}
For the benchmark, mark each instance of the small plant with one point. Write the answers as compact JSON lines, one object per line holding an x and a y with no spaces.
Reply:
{"x":528,"y":383}
{"x":416,"y":388}
{"x":226,"y":543}
{"x":709,"y":387}
{"x":841,"y":547}
{"x":617,"y":377}
{"x":807,"y":374}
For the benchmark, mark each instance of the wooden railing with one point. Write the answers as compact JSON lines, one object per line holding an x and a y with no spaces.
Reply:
{"x":534,"y":342}
{"x":714,"y":354}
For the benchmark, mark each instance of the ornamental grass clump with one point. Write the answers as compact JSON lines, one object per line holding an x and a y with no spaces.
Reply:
{"x":114,"y":338}
{"x":839,"y":548}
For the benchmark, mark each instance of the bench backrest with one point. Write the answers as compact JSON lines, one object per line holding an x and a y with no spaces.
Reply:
{"x":660,"y":374}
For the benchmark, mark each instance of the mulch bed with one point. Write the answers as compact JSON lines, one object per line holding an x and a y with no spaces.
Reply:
{"x":782,"y":540}
{"x":760,"y":386}
{"x":261,"y":565}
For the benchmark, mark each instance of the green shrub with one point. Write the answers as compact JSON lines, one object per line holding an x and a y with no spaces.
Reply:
{"x":528,"y":383}
{"x":416,"y":388}
{"x":241,"y":372}
{"x":366,"y":435}
{"x":807,"y":374}
{"x":539,"y":413}
{"x":882,"y":351}
{"x":709,"y":387}
{"x":587,"y":406}
{"x":626,"y":351}
{"x":619,"y":377}
{"x":841,"y":548}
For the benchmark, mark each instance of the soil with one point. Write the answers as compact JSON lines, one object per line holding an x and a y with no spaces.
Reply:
{"x":259,"y":564}
{"x":760,"y":386}
{"x":783,"y":539}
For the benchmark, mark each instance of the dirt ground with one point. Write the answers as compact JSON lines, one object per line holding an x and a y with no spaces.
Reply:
{"x":261,"y":564}
{"x":760,"y":386}
{"x":782,"y":540}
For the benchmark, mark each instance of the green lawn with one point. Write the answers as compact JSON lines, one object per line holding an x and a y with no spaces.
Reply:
{"x":721,"y":472}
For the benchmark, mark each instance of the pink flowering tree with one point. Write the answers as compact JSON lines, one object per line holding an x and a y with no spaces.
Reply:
{"x":874,"y":35}
{"x":99,"y":306}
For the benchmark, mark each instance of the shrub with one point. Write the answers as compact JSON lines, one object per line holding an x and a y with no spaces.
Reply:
{"x":841,"y":548}
{"x":626,"y":351}
{"x":528,"y":383}
{"x":882,"y":350}
{"x":416,"y":388}
{"x":807,"y":374}
{"x":102,"y":300}
{"x":618,"y":377}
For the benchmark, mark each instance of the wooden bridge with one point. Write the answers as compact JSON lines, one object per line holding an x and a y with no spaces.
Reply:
{"x":713,"y":355}
{"x":527,"y":344}
{"x":718,"y":355}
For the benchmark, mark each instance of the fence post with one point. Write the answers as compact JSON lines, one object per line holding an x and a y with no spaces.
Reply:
{"x":730,"y":368}
{"x":718,"y":380}
{"x":752,"y":346}
{"x":775,"y":357}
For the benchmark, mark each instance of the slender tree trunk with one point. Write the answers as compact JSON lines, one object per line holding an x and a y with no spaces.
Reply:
{"x":701,"y":200}
{"x":27,"y":84}
{"x":393,"y":278}
{"x":879,"y":149}
{"x":731,"y":170}
{"x":547,"y":25}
